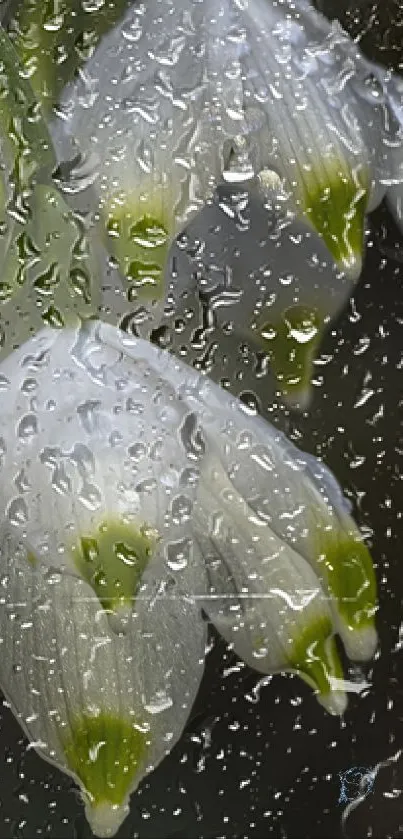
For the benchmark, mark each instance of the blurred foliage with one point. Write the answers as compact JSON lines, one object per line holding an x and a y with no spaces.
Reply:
{"x":55,"y":37}
{"x":377,"y":25}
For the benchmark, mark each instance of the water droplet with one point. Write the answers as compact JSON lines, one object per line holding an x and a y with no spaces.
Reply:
{"x":29,"y":386}
{"x":178,"y":553}
{"x":147,"y":486}
{"x":90,"y":496}
{"x":17,"y":512}
{"x":137,"y":451}
{"x":92,"y":5}
{"x":45,"y":284}
{"x":81,"y":284}
{"x":181,"y":509}
{"x":28,"y":426}
{"x":74,"y":176}
{"x":52,"y":317}
{"x":158,"y":703}
{"x":191,"y":437}
{"x":250,"y":402}
{"x":148,"y":233}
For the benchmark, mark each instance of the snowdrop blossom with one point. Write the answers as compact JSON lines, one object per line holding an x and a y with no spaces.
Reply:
{"x":120,"y":464}
{"x":115,"y":456}
{"x":290,"y":491}
{"x":175,"y":86}
{"x":154,"y":108}
{"x":104,"y":708}
{"x":97,"y":478}
{"x":317,"y":120}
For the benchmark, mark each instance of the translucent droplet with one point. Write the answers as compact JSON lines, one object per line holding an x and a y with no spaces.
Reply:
{"x":17,"y":512}
{"x":178,"y":554}
{"x":28,"y":426}
{"x":181,"y":509}
{"x":158,"y":703}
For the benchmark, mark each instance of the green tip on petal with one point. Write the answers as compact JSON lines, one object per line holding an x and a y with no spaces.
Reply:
{"x":336,"y":209}
{"x":291,"y":345}
{"x":315,"y":658}
{"x":140,"y":241}
{"x":351,"y":580}
{"x":105,"y":753}
{"x":112,"y":560}
{"x":106,"y":819}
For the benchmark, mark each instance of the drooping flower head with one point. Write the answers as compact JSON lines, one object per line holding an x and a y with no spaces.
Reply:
{"x":174,"y":87}
{"x":96,"y":478}
{"x":118,"y":458}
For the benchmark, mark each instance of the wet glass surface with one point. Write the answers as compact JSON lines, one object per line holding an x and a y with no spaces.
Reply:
{"x":259,"y":757}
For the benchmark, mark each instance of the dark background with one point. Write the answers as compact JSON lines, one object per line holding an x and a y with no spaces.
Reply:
{"x":265,"y":760}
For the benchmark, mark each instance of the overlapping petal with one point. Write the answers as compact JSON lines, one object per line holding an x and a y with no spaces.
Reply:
{"x":96,"y":478}
{"x":104,"y":708}
{"x":264,"y":598}
{"x":290,"y":490}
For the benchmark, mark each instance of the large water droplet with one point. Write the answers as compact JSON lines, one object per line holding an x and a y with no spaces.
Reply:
{"x":28,"y":426}
{"x":178,"y":553}
{"x":17,"y":512}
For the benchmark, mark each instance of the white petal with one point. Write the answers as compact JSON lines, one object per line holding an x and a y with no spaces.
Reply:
{"x":94,"y":468}
{"x":156,"y":104}
{"x":309,"y":124}
{"x":264,"y":598}
{"x":103,"y":708}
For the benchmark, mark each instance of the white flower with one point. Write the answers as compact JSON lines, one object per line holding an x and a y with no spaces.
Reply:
{"x":316,"y":119}
{"x":104,"y":708}
{"x":175,"y":85}
{"x":264,"y":598}
{"x":118,"y":459}
{"x":95,"y":476}
{"x":288,"y":495}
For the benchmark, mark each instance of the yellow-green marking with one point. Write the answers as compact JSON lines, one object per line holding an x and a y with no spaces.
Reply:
{"x":106,"y":753}
{"x":336,"y":209}
{"x":112,"y":560}
{"x":314,"y":656}
{"x":347,"y":565}
{"x":140,"y":242}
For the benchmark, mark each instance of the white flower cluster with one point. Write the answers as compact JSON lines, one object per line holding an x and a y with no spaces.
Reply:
{"x":136,"y":493}
{"x":136,"y":496}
